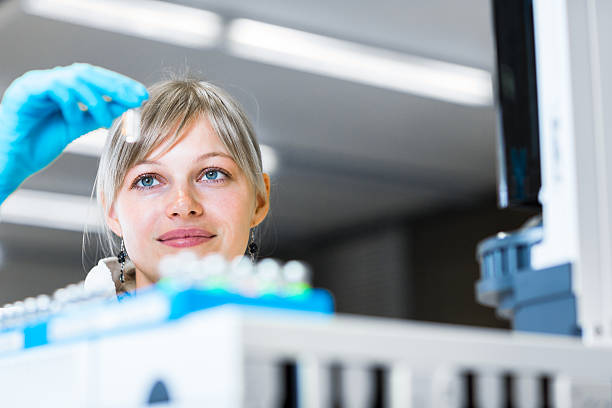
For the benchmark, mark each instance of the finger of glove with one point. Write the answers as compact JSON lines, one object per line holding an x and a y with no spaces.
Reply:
{"x":88,"y":124}
{"x":67,"y":101}
{"x":97,"y":107}
{"x":117,"y":109}
{"x":78,"y":122}
{"x":120,"y":88}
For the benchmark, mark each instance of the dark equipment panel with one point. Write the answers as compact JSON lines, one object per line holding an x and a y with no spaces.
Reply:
{"x":518,"y":148}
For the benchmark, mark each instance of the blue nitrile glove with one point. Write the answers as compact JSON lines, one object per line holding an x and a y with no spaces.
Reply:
{"x":40,"y":115}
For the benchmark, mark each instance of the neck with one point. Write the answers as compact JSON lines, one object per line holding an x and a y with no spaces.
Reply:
{"x":142,"y":280}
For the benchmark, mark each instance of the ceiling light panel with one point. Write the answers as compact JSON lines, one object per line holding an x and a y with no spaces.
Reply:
{"x":150,"y":19}
{"x":359,"y":63}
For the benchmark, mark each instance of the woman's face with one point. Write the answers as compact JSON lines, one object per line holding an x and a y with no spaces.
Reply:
{"x":192,"y":197}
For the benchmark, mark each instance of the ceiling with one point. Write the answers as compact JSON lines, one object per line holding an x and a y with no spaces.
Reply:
{"x":348,"y":153}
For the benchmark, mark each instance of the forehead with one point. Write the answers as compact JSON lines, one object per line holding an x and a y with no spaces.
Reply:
{"x":198,"y":138}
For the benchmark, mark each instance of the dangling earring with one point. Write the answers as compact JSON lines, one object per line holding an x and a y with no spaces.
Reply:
{"x":121,"y":259}
{"x":253,"y":246}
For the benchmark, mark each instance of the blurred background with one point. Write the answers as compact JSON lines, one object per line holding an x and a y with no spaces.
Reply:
{"x":378,"y":123}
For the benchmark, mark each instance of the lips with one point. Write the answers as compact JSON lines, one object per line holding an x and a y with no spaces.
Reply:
{"x":185,"y":237}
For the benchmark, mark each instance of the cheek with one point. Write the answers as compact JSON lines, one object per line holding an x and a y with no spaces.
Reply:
{"x":137,"y":218}
{"x":135,"y":215}
{"x":232,"y":209}
{"x":232,"y":212}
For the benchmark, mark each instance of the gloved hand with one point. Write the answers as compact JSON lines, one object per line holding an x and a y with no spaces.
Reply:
{"x":43,"y":111}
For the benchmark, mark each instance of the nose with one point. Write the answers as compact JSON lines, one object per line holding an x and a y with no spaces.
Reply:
{"x":184,"y":204}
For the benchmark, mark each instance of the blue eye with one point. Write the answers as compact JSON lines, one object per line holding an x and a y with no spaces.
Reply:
{"x":212,"y":174}
{"x":146,"y":181}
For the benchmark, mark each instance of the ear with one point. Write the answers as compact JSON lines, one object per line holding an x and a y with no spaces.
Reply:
{"x":263,"y":203}
{"x":112,"y":221}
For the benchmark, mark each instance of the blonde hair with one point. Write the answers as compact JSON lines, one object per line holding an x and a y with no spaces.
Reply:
{"x":172,"y":107}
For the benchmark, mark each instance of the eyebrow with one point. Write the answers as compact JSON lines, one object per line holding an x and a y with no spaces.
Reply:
{"x":197,"y":159}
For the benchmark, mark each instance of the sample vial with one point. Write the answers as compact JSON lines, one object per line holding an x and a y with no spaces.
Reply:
{"x":130,"y":125}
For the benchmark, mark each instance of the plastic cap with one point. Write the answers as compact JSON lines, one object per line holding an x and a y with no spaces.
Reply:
{"x":296,"y":272}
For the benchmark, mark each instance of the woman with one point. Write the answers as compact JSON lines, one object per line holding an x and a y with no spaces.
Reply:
{"x":192,"y":180}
